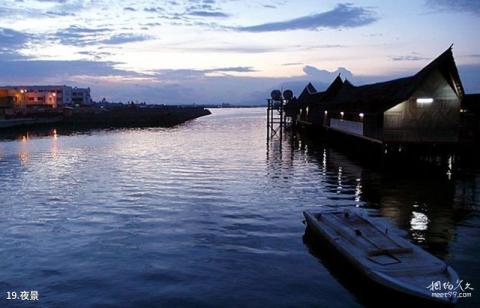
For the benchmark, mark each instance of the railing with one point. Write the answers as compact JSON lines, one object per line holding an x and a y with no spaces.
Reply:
{"x":347,"y":126}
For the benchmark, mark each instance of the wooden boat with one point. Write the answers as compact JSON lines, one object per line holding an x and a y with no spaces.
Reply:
{"x":382,"y":255}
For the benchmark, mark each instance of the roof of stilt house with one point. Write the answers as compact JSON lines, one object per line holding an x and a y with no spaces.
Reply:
{"x":347,"y":83}
{"x":306,"y":94}
{"x":382,"y":96}
{"x":333,"y":88}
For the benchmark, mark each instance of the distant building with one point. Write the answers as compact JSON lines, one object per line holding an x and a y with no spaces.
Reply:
{"x":81,"y":96}
{"x":423,"y":108}
{"x":8,"y":98}
{"x":31,"y":96}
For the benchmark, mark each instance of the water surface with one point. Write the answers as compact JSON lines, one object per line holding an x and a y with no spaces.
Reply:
{"x":208,"y":214}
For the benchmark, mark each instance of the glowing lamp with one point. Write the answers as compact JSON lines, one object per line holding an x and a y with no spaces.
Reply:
{"x":425,"y":100}
{"x":361,"y":114}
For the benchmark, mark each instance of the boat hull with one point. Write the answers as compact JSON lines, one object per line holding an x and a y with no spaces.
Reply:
{"x":410,"y":281}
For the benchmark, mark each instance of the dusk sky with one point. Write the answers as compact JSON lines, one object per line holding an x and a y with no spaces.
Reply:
{"x":214,"y":51}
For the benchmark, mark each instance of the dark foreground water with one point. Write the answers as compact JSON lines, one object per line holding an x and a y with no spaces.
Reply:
{"x":206,"y":214}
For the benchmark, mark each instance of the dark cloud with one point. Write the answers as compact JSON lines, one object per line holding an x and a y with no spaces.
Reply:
{"x":470,"y":6}
{"x":36,"y":71}
{"x":153,"y":24}
{"x":80,"y":36}
{"x":130,"y":9}
{"x":59,"y":13}
{"x":10,"y":43}
{"x":125,"y":38}
{"x":204,"y":8}
{"x":207,"y":14}
{"x":153,"y":9}
{"x":12,"y":39}
{"x":342,"y":16}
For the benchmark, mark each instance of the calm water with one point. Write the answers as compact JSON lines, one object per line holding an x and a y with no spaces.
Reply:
{"x":206,"y":214}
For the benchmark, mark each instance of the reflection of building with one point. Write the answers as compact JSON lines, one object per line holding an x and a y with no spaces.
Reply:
{"x":418,"y":198}
{"x":423,"y":108}
{"x":19,"y":97}
{"x":81,"y":96}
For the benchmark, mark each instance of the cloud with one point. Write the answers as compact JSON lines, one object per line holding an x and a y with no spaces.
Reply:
{"x":470,"y":6}
{"x":12,"y":39}
{"x":96,"y":55}
{"x":231,"y":49}
{"x":124,"y":38}
{"x":324,"y":75}
{"x":10,"y":43}
{"x":80,"y":36}
{"x":410,"y":57}
{"x":59,"y":13}
{"x":237,"y":69}
{"x":178,"y":74}
{"x":35,"y":71}
{"x":324,"y":46}
{"x":292,"y":64}
{"x":176,"y":86}
{"x":342,"y":16}
{"x":204,"y":8}
{"x":207,"y":14}
{"x":153,"y":9}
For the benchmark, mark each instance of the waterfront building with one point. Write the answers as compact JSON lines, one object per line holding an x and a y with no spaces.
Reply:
{"x":81,"y":96}
{"x":20,"y":97}
{"x":8,"y":98}
{"x":425,"y":108}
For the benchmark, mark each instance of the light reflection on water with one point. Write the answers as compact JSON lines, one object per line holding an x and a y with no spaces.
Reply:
{"x":205,"y":213}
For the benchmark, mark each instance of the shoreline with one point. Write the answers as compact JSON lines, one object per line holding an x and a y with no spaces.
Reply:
{"x":128,"y":117}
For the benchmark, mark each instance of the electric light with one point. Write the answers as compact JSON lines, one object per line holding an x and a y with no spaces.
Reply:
{"x":425,"y":100}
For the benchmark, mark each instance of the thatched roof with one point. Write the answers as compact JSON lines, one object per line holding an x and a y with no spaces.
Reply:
{"x":382,"y":96}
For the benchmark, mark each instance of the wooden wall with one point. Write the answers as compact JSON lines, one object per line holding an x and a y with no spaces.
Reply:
{"x":436,"y":122}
